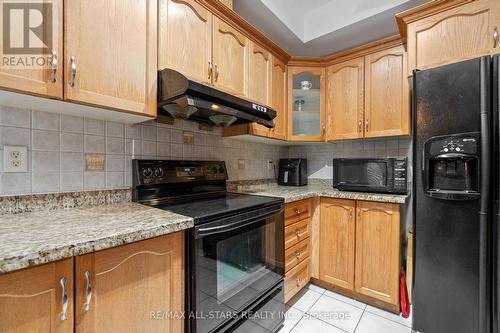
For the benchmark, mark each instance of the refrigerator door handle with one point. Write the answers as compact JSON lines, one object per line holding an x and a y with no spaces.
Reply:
{"x":485,"y":189}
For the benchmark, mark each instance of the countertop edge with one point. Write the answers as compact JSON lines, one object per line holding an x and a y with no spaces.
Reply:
{"x":68,"y":251}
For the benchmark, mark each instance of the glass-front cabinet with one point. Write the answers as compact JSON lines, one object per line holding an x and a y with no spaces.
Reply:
{"x":306,"y":104}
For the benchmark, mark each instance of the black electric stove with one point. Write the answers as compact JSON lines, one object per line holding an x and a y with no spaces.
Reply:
{"x":234,"y":253}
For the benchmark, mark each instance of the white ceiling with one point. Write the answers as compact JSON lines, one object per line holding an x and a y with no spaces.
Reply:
{"x":321,"y":27}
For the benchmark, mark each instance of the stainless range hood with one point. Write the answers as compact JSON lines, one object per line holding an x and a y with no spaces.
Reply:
{"x":180,"y":97}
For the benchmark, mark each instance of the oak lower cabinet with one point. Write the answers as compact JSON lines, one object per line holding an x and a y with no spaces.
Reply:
{"x":119,"y":289}
{"x":378,"y":251}
{"x":110,"y":55}
{"x":360,"y":249}
{"x":336,"y":242}
{"x":459,"y":33}
{"x":297,"y":246}
{"x":32,"y":299}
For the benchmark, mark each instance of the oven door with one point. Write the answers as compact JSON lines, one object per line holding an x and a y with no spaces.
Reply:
{"x":371,"y":175}
{"x":234,"y":262}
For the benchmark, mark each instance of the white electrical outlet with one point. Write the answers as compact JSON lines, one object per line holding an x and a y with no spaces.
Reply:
{"x":15,"y":159}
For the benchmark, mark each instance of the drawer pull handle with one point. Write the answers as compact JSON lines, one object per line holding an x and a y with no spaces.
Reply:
{"x":62,"y":282}
{"x":88,"y":292}
{"x":298,"y":282}
{"x":298,"y":254}
{"x":297,"y":233}
{"x":210,"y":70}
{"x":73,"y":71}
{"x":298,"y":211}
{"x":360,"y":126}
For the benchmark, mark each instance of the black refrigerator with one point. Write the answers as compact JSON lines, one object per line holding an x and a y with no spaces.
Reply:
{"x":455,"y":197}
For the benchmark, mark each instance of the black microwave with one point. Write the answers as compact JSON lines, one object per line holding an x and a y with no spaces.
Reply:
{"x":382,"y":175}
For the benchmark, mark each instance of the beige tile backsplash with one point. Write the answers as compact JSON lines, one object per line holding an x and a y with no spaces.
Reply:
{"x":57,"y":145}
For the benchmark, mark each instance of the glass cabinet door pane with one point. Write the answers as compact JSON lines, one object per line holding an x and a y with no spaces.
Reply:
{"x":306,"y":105}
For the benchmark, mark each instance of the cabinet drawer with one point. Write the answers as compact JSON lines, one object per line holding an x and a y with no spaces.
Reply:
{"x":296,"y":279}
{"x":297,"y":211}
{"x":296,"y":232}
{"x":296,"y":254}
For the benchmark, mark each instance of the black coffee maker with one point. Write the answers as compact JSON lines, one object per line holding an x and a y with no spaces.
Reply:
{"x":292,"y":172}
{"x":451,"y":167}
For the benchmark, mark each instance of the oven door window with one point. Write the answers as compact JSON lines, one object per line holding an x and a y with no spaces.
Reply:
{"x":236,"y":267}
{"x":364,"y":173}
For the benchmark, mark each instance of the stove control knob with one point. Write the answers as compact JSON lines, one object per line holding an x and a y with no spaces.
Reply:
{"x":221,"y":169}
{"x":147,"y":172}
{"x":159,"y":172}
{"x":214,"y":170}
{"x":446,"y":150}
{"x":458,"y":149}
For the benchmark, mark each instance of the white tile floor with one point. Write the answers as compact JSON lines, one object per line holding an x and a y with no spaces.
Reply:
{"x":315,"y":309}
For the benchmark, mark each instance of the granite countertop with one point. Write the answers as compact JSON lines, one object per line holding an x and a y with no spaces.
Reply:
{"x":295,"y":193}
{"x":29,"y":239}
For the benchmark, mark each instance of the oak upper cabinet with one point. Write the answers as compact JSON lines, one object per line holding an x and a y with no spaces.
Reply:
{"x":259,"y":80}
{"x":278,"y":99}
{"x":185,"y":39}
{"x":228,"y":3}
{"x":230,"y":58}
{"x":344,"y":100}
{"x":306,"y":115}
{"x":111,"y":53}
{"x":377,"y":251}
{"x":117,"y":289}
{"x":38,"y":299}
{"x":45,"y":80}
{"x":463,"y":32}
{"x":336,"y":242}
{"x":387,"y":102}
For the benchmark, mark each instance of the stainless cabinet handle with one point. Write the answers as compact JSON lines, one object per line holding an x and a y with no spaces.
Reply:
{"x":298,"y":282}
{"x":495,"y":36}
{"x":216,"y":72}
{"x":297,"y":211}
{"x":366,"y":125}
{"x":359,"y":215}
{"x":210,"y":69}
{"x":350,"y":214}
{"x":88,"y":292}
{"x":298,"y":254}
{"x":73,"y":71}
{"x":297,"y":233}
{"x":53,"y":67}
{"x":360,"y":126}
{"x":64,"y":298}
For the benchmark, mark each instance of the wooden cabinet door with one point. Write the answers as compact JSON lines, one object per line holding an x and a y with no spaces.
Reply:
{"x":377,"y":251}
{"x":33,"y":78}
{"x":259,"y":80}
{"x":128,"y":284}
{"x":110,"y":50}
{"x":336,"y":242}
{"x":278,"y":99}
{"x":344,"y":100}
{"x":306,"y":107}
{"x":461,"y":33}
{"x":387,"y":102}
{"x":185,"y":39}
{"x":230,"y":56}
{"x":31,"y":300}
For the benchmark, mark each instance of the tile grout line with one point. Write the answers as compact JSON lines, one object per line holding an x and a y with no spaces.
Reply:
{"x":375,"y":314}
{"x":360,"y":318}
{"x":305,"y":312}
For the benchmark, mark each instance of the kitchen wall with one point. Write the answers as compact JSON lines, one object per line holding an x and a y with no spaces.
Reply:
{"x":320,"y":156}
{"x":57,"y":145}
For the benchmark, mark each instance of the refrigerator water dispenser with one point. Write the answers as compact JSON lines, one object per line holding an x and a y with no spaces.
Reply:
{"x":451,"y":167}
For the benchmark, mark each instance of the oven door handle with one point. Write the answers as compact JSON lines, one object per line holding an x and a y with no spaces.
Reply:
{"x":236,"y":222}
